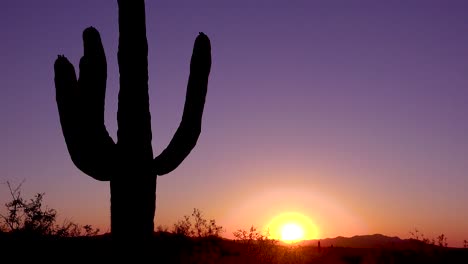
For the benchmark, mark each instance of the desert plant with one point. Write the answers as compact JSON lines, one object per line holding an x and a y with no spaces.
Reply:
{"x":13,"y":221}
{"x":30,"y":217}
{"x":442,"y":240}
{"x":68,"y":229}
{"x":258,"y":244}
{"x":128,"y":164}
{"x":415,"y":234}
{"x":183,"y":227}
{"x":197,"y":226}
{"x":36,"y":218}
{"x":162,"y":228}
{"x":204,"y":227}
{"x":249,"y":236}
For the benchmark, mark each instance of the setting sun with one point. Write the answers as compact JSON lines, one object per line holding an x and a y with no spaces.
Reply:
{"x":292,"y":232}
{"x":292,"y":227}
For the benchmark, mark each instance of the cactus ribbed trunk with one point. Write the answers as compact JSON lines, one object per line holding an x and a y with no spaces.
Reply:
{"x":132,"y":205}
{"x":128,"y":164}
{"x":133,"y":188}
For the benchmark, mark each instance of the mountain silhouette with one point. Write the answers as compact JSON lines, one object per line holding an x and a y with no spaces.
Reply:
{"x":365,"y":241}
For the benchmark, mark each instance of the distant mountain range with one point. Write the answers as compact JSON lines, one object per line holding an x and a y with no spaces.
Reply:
{"x":365,"y":241}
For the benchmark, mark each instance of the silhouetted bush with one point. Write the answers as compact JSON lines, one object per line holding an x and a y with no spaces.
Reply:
{"x":30,"y":217}
{"x":440,"y":241}
{"x":258,"y":244}
{"x":251,"y":235}
{"x":197,"y":226}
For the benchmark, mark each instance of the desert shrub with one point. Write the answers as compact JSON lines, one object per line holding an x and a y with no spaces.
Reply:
{"x":249,"y":236}
{"x":258,"y":244}
{"x":183,"y":227}
{"x":197,"y":226}
{"x":440,"y":241}
{"x":200,"y":238}
{"x":162,"y":228}
{"x":30,"y":217}
{"x":36,"y":218}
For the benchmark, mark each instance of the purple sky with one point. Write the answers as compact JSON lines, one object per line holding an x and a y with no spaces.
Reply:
{"x":353,"y":113}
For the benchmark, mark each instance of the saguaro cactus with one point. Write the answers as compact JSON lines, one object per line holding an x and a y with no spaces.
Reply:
{"x":128,"y":164}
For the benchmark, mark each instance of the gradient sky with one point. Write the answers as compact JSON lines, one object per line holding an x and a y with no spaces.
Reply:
{"x":353,"y":113}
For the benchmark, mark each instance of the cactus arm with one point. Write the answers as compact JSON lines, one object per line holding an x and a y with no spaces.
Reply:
{"x":93,"y":76}
{"x":186,"y":136}
{"x":133,"y":116}
{"x":81,"y":109}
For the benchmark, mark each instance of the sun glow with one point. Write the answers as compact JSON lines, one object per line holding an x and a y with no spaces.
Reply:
{"x":292,"y":227}
{"x":292,"y":232}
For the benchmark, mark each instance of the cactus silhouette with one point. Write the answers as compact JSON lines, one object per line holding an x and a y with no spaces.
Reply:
{"x":128,"y":164}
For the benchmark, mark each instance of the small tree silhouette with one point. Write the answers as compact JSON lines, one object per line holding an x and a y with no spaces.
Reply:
{"x":127,"y":164}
